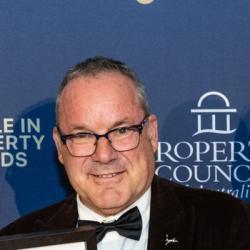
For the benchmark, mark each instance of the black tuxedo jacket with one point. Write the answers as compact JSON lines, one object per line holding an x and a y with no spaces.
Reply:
{"x":180,"y":218}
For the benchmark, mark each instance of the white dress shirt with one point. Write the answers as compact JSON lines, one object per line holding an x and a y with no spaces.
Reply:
{"x":112,"y":240}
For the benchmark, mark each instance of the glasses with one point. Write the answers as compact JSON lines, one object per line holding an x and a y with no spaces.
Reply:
{"x":121,"y":139}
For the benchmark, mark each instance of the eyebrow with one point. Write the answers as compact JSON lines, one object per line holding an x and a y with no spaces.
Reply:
{"x":120,"y":122}
{"x":124,"y":121}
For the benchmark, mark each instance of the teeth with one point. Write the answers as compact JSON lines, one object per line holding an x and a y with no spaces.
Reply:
{"x":106,"y":175}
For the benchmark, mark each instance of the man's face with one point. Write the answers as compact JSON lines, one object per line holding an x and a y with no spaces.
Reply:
{"x":108,"y":181}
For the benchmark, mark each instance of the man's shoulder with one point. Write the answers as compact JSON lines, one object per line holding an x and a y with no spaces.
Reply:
{"x":201,"y":199}
{"x":187,"y":212}
{"x":49,"y":218}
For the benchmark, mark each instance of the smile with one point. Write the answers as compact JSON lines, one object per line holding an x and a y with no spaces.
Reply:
{"x":107,"y":176}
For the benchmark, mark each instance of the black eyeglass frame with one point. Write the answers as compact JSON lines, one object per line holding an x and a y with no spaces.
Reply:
{"x":139,"y":127}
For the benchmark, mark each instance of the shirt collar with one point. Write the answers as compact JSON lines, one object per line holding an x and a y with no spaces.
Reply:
{"x":143,"y":204}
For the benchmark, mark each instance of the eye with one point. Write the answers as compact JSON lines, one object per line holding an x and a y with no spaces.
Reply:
{"x":122,"y":130}
{"x":82,"y":138}
{"x":84,"y":135}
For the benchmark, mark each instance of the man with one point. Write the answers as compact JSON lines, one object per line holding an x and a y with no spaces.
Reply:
{"x":106,"y":139}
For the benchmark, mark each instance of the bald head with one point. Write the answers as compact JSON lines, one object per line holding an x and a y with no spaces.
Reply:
{"x":93,"y":67}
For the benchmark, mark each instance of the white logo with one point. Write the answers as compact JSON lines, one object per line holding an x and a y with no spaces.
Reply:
{"x":169,"y":241}
{"x":213,"y":113}
{"x":145,"y":1}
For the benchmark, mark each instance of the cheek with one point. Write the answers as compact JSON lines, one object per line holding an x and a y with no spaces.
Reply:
{"x":142,"y":165}
{"x":75,"y":168}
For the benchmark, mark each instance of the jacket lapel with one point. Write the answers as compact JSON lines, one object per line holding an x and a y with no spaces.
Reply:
{"x":65,"y":217}
{"x":171,"y":226}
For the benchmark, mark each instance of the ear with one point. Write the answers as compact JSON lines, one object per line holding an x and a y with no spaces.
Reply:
{"x":153,"y":131}
{"x":58,"y":143}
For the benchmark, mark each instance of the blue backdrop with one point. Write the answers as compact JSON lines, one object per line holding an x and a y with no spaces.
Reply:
{"x":193,"y":57}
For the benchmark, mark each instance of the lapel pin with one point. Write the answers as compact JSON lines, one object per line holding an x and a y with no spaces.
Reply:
{"x":170,"y":241}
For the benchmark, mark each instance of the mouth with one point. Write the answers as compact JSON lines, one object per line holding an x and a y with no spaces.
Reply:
{"x":108,"y":179}
{"x":107,"y":176}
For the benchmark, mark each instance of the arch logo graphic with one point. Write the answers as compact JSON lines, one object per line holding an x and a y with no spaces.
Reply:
{"x":201,"y":111}
{"x":213,"y":153}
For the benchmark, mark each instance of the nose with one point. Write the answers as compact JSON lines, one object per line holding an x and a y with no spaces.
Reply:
{"x":104,"y":152}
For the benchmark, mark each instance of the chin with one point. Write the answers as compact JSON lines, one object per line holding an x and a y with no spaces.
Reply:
{"x":112,"y":206}
{"x":108,"y":211}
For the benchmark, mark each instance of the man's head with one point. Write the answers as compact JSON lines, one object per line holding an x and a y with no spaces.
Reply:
{"x":111,"y":171}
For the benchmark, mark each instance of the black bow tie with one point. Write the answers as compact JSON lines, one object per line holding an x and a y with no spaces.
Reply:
{"x":128,"y":225}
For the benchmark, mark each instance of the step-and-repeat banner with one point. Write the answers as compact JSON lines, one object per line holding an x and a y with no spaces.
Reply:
{"x":193,"y":57}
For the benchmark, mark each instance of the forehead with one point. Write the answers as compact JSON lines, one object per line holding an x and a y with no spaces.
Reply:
{"x":91,"y":98}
